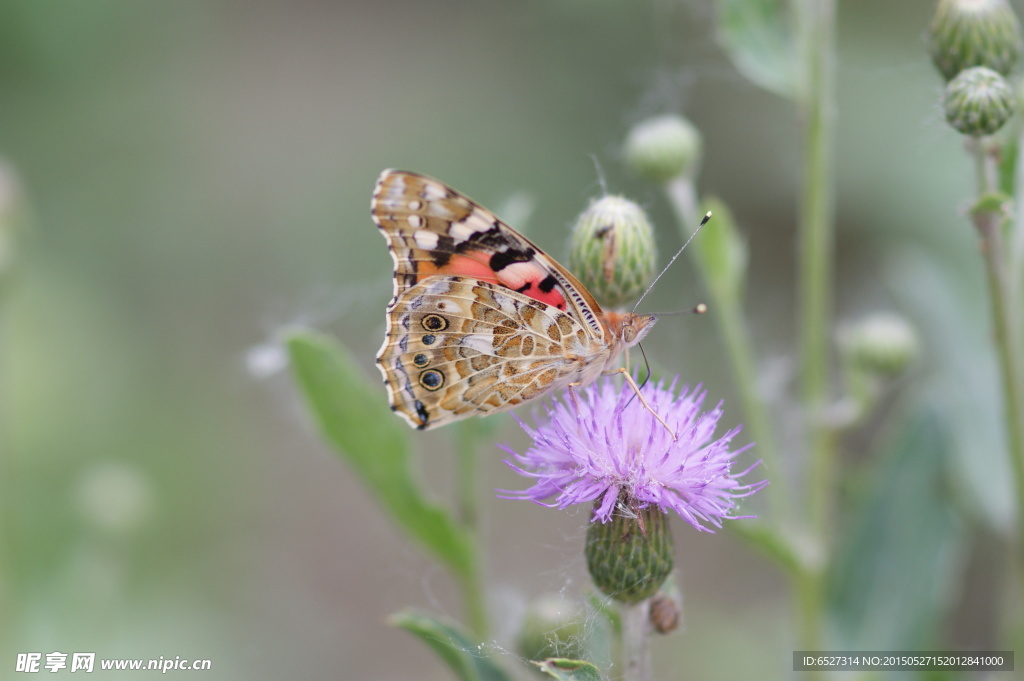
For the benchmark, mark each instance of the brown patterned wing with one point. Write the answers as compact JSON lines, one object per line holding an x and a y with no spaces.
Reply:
{"x":432,"y":230}
{"x":458,"y":347}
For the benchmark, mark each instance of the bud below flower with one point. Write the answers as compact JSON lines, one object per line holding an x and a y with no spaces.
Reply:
{"x":612,"y":250}
{"x":665,"y":613}
{"x":966,"y":33}
{"x":978,"y":101}
{"x":883,"y":344}
{"x":630,"y":556}
{"x":663,"y":147}
{"x":553,"y":627}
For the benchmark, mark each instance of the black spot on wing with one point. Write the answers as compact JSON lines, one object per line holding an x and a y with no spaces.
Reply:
{"x":441,"y":254}
{"x":502,"y":259}
{"x":421,"y":411}
{"x":547,"y":284}
{"x":493,"y":239}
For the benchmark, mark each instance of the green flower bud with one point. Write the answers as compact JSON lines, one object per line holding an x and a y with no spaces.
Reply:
{"x":612,"y":250}
{"x":630,"y":556}
{"x":664,"y":147}
{"x":978,"y":101}
{"x":883,"y":344}
{"x":553,"y":627}
{"x":966,"y":33}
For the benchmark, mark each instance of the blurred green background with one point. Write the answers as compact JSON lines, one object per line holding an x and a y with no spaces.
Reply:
{"x":196,"y":178}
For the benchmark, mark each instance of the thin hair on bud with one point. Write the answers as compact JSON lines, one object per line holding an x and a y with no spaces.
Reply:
{"x":703,"y":222}
{"x":599,"y":171}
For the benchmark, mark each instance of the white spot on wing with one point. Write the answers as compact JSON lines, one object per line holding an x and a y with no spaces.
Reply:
{"x":424,"y":239}
{"x":415,"y":221}
{"x":484,"y":344}
{"x":460,"y":231}
{"x":433,"y":191}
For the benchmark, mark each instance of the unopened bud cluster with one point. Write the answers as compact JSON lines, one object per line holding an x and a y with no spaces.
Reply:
{"x":968,"y":33}
{"x":975,"y":44}
{"x":978,"y":101}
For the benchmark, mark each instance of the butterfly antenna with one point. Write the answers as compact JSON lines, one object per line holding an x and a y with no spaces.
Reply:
{"x":699,"y":308}
{"x":703,"y":222}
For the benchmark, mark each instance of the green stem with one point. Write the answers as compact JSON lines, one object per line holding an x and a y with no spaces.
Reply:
{"x":466,"y":435}
{"x":816,"y":21}
{"x":816,"y":245}
{"x":809,"y":589}
{"x":474,"y":602}
{"x":1016,"y":257}
{"x":9,"y":571}
{"x":636,"y":638}
{"x":989,"y":226}
{"x":728,"y":311}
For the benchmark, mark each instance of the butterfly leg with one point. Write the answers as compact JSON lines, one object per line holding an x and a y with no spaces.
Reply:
{"x":572,"y":394}
{"x":636,"y":389}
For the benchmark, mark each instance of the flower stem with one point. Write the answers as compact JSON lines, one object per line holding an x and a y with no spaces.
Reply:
{"x":636,"y":638}
{"x":816,"y":20}
{"x":989,"y":226}
{"x":816,"y":244}
{"x":466,"y":436}
{"x":473,"y":600}
{"x":9,"y":497}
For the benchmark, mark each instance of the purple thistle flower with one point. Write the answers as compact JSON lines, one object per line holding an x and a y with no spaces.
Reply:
{"x":611,"y":444}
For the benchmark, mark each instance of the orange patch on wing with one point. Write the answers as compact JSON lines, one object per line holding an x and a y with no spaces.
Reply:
{"x":462,"y":266}
{"x":527,"y":277}
{"x":468,"y":265}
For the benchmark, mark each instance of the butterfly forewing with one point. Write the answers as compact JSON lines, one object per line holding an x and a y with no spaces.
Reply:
{"x":432,"y":229}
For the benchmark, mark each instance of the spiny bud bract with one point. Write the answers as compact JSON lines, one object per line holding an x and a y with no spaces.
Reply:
{"x":630,"y":556}
{"x":612,"y":250}
{"x":663,"y":147}
{"x":967,"y":33}
{"x":978,"y":101}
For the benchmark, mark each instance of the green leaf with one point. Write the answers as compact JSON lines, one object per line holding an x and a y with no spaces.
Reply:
{"x":358,"y":422}
{"x":758,"y":39}
{"x":991,"y":202}
{"x":896,"y":561}
{"x":770,"y":542}
{"x":568,"y":670}
{"x":451,"y":644}
{"x":721,"y":254}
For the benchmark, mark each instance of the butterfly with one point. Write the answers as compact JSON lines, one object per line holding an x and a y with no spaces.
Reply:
{"x":482,"y":319}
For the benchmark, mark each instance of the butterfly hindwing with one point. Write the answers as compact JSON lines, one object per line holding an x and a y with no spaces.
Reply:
{"x":457,"y":346}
